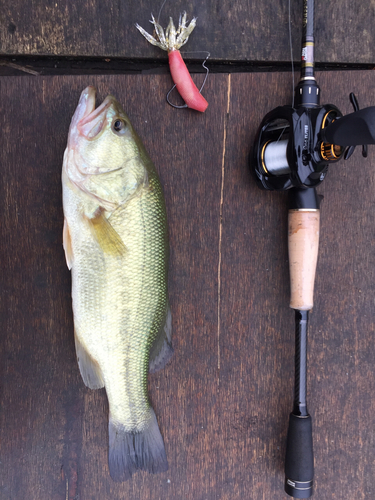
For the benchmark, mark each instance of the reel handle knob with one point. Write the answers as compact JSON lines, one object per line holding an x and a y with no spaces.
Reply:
{"x":299,"y":459}
{"x":353,"y":129}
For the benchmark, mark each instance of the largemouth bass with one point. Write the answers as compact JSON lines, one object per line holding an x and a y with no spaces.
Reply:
{"x":116,"y":245}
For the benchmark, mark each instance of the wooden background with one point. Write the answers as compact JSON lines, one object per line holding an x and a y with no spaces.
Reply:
{"x":223,"y":401}
{"x":235,"y":30}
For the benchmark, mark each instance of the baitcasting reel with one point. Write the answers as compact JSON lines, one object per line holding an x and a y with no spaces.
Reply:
{"x":294,"y":146}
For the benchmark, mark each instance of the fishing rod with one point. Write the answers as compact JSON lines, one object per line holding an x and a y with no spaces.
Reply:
{"x":293,"y":149}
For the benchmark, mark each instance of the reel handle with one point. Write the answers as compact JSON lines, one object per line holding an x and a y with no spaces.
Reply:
{"x":353,"y":129}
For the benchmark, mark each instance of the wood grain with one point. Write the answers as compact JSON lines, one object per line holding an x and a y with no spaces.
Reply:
{"x":223,"y":401}
{"x":259,"y":326}
{"x":235,"y":30}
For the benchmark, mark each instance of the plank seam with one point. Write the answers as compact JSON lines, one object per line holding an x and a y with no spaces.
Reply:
{"x":221,"y":226}
{"x":83,"y":65}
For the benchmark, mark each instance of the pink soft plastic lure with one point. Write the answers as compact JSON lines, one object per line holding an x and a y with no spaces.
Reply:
{"x":172,"y":41}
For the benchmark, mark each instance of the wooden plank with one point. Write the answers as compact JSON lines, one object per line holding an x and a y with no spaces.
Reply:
{"x":231,"y":30}
{"x":53,"y":430}
{"x":223,"y":400}
{"x":257,"y":341}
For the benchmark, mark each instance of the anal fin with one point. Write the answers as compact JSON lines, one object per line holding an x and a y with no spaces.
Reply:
{"x":89,"y":368}
{"x":161,"y":350}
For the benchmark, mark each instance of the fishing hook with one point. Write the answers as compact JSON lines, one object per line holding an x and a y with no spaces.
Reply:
{"x":200,"y":90}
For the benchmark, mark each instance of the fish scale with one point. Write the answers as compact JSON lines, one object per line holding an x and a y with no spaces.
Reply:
{"x":116,"y":243}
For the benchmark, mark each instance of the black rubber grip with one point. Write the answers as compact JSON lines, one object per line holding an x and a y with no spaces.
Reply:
{"x":299,"y":459}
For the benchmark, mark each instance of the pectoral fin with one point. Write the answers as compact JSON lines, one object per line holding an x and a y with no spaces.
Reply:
{"x":67,"y":245}
{"x":161,"y":350}
{"x":107,"y":237}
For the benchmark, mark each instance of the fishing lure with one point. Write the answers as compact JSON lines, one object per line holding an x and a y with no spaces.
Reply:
{"x":172,"y":41}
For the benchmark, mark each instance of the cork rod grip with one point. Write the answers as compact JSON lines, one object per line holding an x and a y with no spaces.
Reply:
{"x":303,"y":243}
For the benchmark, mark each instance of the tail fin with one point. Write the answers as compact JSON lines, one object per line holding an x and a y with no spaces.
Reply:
{"x":129,"y":451}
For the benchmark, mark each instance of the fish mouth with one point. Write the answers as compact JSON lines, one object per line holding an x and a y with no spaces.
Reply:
{"x":88,"y":119}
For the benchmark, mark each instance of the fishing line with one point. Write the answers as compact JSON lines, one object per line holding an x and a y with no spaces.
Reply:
{"x":275,"y":153}
{"x":161,"y":8}
{"x":291,"y":50}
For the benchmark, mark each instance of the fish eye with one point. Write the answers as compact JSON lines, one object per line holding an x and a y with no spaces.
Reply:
{"x":119,"y":126}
